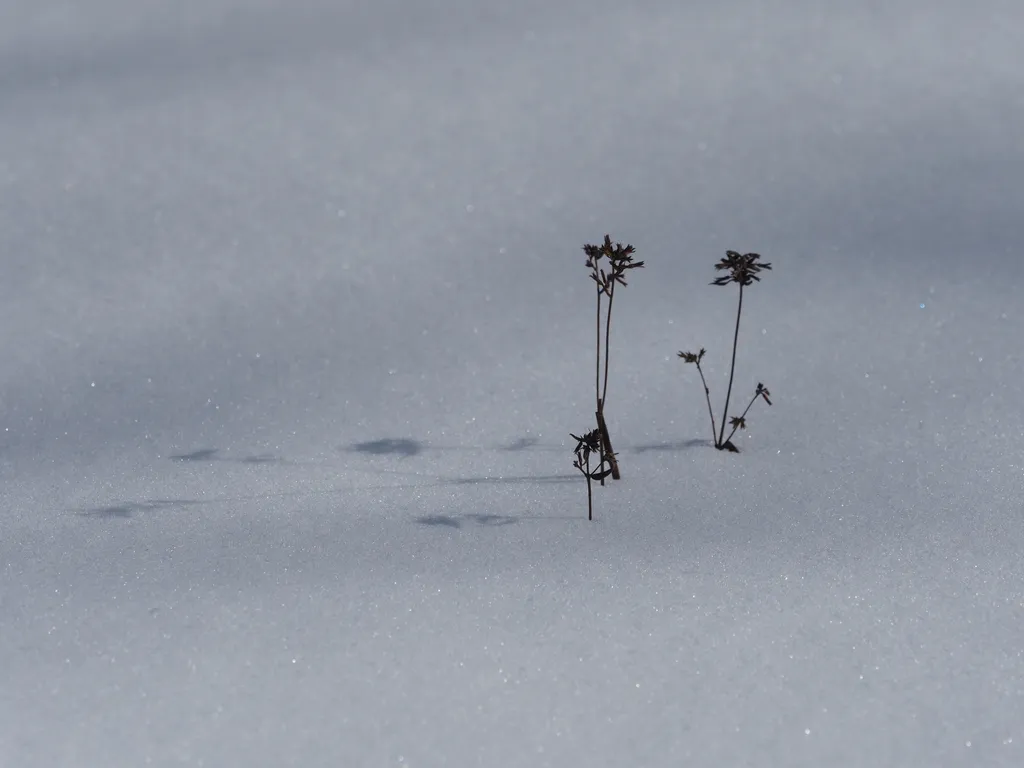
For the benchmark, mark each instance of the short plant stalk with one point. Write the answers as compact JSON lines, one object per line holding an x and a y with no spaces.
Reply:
{"x":597,"y":373}
{"x":590,"y":494}
{"x":587,"y":444}
{"x":707,"y":394}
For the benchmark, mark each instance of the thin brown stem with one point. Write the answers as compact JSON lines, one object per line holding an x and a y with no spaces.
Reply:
{"x":707,"y":394}
{"x":590,"y":494}
{"x":597,"y":367}
{"x":732,"y":371}
{"x":605,"y":435}
{"x":597,"y":372}
{"x":607,"y":342}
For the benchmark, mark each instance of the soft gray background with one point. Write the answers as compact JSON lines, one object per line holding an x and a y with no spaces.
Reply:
{"x":295,"y":325}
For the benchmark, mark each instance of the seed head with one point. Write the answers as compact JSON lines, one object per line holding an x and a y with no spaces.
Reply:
{"x":690,"y":357}
{"x":743,"y":268}
{"x":620,"y":259}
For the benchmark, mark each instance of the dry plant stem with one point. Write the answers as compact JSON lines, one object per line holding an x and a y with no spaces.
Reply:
{"x":732,"y":370}
{"x":590,"y":494}
{"x":605,"y":435}
{"x":607,"y":344}
{"x":597,"y":377}
{"x":597,"y":372}
{"x":707,"y":394}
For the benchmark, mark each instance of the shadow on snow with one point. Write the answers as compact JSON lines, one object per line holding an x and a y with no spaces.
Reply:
{"x":455,"y":521}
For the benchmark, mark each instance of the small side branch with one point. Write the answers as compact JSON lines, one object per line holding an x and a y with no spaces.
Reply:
{"x":740,"y":422}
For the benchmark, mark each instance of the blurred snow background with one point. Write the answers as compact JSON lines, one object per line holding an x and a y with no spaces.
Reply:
{"x":295,"y":325}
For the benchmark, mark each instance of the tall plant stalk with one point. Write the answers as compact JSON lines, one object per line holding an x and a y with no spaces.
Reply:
{"x":732,"y":366}
{"x":597,"y":367}
{"x":599,"y":408}
{"x":620,"y":260}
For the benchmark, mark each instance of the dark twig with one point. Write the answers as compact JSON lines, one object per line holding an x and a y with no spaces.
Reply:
{"x":690,"y":357}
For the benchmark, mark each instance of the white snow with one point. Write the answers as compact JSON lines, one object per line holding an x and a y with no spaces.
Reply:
{"x":295,"y":325}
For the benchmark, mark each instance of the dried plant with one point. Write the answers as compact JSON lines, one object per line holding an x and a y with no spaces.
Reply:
{"x":590,"y":443}
{"x":742,"y":269}
{"x":619,"y":260}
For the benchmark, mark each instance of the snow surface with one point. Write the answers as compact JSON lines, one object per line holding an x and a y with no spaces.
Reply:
{"x":295,"y":325}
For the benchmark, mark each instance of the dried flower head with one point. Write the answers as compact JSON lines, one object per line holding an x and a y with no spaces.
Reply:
{"x":620,"y":259}
{"x":743,"y":269}
{"x":589,"y":443}
{"x":690,"y":357}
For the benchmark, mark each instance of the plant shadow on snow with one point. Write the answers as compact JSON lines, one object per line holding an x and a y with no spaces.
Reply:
{"x":530,"y":444}
{"x":681,"y":445}
{"x":487,"y":521}
{"x":128,"y":509}
{"x":401,"y":447}
{"x":407,"y":447}
{"x":390,"y":446}
{"x":513,"y":480}
{"x":455,"y":521}
{"x":440,"y":480}
{"x":203,"y":454}
{"x":212,"y":454}
{"x":521,"y":444}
